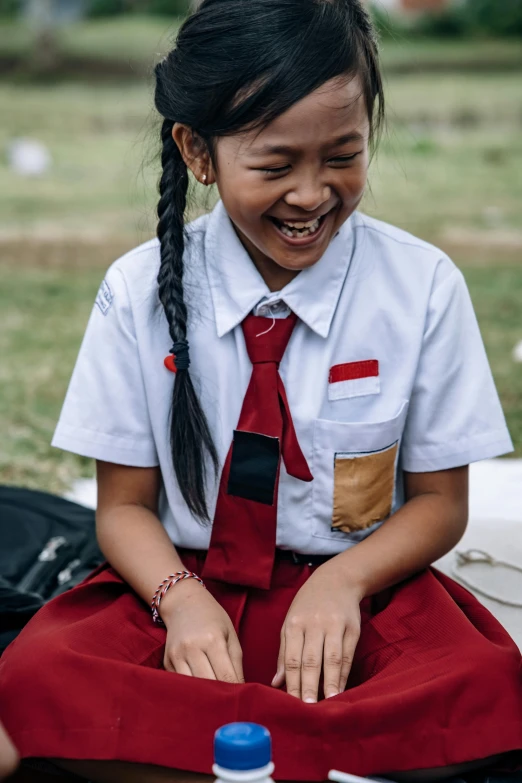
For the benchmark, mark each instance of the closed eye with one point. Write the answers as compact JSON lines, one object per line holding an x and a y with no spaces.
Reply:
{"x":282,"y":169}
{"x":278,"y":170}
{"x":344,"y":158}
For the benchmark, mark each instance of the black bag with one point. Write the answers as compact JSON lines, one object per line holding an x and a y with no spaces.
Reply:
{"x":47,"y":546}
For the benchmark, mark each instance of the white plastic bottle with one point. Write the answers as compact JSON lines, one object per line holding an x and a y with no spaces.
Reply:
{"x":243,"y":754}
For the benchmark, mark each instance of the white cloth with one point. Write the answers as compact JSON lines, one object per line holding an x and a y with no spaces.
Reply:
{"x":377,"y":295}
{"x":495,"y":527}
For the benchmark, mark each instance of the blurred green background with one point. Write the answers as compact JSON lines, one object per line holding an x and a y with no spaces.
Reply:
{"x":77,"y":79}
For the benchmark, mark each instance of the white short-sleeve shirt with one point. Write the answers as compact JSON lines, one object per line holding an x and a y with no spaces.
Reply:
{"x":385,"y":372}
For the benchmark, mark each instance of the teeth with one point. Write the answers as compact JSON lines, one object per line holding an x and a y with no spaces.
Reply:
{"x":299,"y":229}
{"x":302,"y":225}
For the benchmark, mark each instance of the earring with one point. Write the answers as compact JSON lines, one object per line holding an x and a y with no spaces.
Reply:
{"x":204,"y":179}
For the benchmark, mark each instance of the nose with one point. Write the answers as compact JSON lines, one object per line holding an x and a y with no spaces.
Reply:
{"x":309,"y":194}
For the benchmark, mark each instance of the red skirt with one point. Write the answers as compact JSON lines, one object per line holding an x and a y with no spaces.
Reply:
{"x":436,"y":681}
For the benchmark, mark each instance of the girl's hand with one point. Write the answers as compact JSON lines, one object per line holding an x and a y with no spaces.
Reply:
{"x":201,"y":640}
{"x":320,"y":632}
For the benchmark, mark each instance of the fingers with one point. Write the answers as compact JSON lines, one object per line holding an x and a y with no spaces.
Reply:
{"x":192,"y":662}
{"x":200,"y":666}
{"x":221,"y":663}
{"x":279,"y":676}
{"x":311,"y":664}
{"x":182,"y":667}
{"x":173,"y":662}
{"x":333,"y":663}
{"x":236,"y":656}
{"x":304,"y":655}
{"x":349,"y":644}
{"x":218,"y":660}
{"x":294,"y":642}
{"x":168,"y":662}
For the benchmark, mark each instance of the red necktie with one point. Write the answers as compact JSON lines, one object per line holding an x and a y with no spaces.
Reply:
{"x":243,"y":541}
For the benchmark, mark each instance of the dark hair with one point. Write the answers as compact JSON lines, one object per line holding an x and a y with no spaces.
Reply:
{"x":239,"y":64}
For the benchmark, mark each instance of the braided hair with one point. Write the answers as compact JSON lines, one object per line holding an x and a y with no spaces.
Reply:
{"x":236,"y":65}
{"x":191,"y":427}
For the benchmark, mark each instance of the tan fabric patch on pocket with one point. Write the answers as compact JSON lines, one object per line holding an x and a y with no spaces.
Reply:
{"x":363,"y":489}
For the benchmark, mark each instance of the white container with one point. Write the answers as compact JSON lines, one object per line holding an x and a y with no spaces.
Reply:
{"x":243,"y":754}
{"x":261,"y":775}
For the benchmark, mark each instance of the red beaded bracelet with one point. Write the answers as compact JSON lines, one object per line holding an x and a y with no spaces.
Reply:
{"x":165,"y":586}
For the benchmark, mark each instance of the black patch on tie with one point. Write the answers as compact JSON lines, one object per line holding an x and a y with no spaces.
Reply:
{"x":253,"y":469}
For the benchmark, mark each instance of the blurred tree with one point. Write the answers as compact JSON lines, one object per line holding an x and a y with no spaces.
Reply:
{"x":45,"y":17}
{"x":107,"y":7}
{"x":459,"y":19}
{"x":169,"y":7}
{"x":161,"y":7}
{"x":448,"y":23}
{"x":40,"y":15}
{"x":9,"y":7}
{"x":494,"y":17}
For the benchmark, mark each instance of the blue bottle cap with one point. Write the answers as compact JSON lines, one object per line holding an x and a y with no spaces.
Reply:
{"x":242,"y":746}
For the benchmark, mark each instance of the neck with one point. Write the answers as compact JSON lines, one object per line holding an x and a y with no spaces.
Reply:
{"x":275,"y":276}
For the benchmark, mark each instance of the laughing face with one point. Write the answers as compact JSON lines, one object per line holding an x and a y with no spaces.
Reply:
{"x":289,"y":188}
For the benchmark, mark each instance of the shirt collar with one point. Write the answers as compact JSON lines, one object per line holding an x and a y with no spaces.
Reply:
{"x":236,"y":286}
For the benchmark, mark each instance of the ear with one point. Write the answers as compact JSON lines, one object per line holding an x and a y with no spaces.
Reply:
{"x":194,"y":152}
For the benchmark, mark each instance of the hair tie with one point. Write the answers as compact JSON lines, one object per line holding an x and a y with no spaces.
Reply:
{"x":180,"y":350}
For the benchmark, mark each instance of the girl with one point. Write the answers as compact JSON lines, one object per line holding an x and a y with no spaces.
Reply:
{"x":282,"y":399}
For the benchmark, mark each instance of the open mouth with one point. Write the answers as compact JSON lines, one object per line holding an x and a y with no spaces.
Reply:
{"x":304,"y":230}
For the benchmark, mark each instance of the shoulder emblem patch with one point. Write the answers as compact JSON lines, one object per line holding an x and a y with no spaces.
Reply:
{"x":104,"y":298}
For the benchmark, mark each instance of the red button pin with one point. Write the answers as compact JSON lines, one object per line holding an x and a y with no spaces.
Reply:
{"x":169,"y":362}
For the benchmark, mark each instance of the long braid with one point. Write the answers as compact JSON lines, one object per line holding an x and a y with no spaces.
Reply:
{"x":189,"y":431}
{"x":170,"y":230}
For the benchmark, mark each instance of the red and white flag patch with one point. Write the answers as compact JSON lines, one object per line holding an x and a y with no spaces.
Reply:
{"x":354,"y":379}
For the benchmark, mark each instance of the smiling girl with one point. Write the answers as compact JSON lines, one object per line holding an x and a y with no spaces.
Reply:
{"x":282,"y":398}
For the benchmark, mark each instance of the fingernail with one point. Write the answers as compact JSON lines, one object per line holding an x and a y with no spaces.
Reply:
{"x":333,"y":693}
{"x":275,"y":678}
{"x":310,"y":701}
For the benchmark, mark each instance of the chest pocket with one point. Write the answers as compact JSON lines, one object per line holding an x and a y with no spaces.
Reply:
{"x":355,"y":469}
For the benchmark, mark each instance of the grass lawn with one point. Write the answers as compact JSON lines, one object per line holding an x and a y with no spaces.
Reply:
{"x":43,"y":315}
{"x":448,"y":170}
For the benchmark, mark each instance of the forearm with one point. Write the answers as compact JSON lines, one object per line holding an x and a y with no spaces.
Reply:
{"x":423,"y":530}
{"x":137,"y":546}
